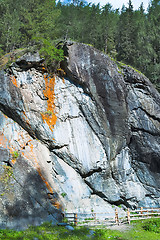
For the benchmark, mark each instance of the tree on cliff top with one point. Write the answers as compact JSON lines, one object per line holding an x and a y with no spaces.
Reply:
{"x":130,"y":36}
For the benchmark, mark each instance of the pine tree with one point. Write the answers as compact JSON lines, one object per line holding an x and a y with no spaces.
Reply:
{"x":108,"y":24}
{"x":9,"y":26}
{"x":142,"y":44}
{"x":153,"y":70}
{"x":126,"y":36}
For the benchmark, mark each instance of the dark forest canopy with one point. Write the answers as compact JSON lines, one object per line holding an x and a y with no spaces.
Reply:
{"x":127,"y":35}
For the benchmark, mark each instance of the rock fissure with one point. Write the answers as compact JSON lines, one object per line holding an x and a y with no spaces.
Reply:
{"x":25,"y":65}
{"x":136,"y":129}
{"x":100,"y":194}
{"x":147,"y":113}
{"x":91,"y":172}
{"x":65,"y":118}
{"x":69,"y":160}
{"x":100,"y":134}
{"x":58,"y":147}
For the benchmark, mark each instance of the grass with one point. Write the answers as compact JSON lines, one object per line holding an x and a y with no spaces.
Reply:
{"x":121,"y":65}
{"x":141,"y":230}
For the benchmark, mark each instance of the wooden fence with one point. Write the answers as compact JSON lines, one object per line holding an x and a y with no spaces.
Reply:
{"x":110,"y":218}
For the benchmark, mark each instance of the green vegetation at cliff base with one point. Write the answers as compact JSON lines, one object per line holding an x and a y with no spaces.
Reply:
{"x":141,"y":230}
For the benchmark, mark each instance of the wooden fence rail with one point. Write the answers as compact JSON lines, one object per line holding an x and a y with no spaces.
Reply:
{"x":108,"y":218}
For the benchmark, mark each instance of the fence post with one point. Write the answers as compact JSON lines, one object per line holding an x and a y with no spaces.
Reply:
{"x":141,"y":210}
{"x":63,"y":215}
{"x":95,"y":217}
{"x":128,"y":216}
{"x":75,"y":219}
{"x":116,"y":216}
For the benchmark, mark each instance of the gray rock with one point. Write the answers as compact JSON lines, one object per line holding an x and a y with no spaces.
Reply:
{"x":91,"y":233}
{"x":85,"y":143}
{"x":68,"y":227}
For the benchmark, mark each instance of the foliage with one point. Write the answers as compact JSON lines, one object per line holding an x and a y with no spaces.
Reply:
{"x":121,"y":65}
{"x":1,"y":52}
{"x":63,"y":194}
{"x":129,"y":35}
{"x":65,"y":220}
{"x":7,"y":174}
{"x":152,"y":225}
{"x":15,"y":154}
{"x":49,"y":52}
{"x":6,"y":178}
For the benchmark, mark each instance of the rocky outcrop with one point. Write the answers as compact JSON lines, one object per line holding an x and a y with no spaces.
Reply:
{"x":86,"y":140}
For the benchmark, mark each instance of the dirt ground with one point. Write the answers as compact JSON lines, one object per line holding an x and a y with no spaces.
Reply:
{"x":121,"y":227}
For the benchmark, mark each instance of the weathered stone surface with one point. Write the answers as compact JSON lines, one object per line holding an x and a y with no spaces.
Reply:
{"x":25,"y":182}
{"x":89,"y":141}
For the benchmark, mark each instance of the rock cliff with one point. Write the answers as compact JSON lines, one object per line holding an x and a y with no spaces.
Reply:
{"x":89,"y":139}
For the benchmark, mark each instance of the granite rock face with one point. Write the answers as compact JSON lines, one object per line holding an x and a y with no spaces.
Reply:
{"x":89,"y":140}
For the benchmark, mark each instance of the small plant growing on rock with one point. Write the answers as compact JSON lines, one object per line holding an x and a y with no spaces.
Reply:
{"x":5,"y":178}
{"x":63,"y":194}
{"x":48,"y":113}
{"x":15,"y":154}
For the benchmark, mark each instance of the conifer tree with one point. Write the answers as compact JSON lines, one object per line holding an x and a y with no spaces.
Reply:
{"x":142,"y":43}
{"x":153,"y":70}
{"x":126,"y":35}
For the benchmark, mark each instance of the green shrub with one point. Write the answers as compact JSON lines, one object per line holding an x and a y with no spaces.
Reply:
{"x":1,"y":51}
{"x":152,"y":225}
{"x":52,"y":55}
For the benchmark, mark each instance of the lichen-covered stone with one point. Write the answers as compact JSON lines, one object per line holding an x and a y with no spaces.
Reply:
{"x":89,"y":141}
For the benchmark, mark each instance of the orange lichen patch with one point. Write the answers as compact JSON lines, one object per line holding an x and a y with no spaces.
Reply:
{"x":23,"y":145}
{"x":49,"y":116}
{"x":43,"y":68}
{"x":43,"y":179}
{"x":13,"y":161}
{"x":63,"y":80}
{"x":39,"y":170}
{"x":3,"y":141}
{"x":14,"y":80}
{"x":25,"y":118}
{"x":57,"y":204}
{"x":5,"y":116}
{"x":15,"y":155}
